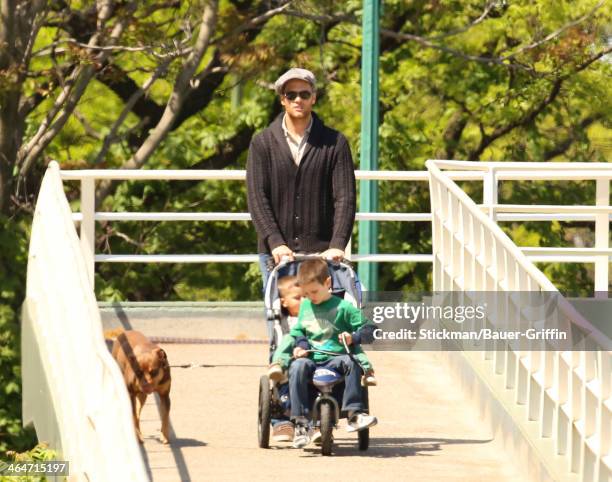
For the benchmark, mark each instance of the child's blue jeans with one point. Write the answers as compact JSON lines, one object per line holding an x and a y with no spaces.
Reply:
{"x":300,"y":376}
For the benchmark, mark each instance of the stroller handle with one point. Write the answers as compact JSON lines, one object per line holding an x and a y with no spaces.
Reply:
{"x":303,"y":257}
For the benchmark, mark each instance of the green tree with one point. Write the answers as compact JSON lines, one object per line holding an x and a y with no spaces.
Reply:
{"x":109,"y":84}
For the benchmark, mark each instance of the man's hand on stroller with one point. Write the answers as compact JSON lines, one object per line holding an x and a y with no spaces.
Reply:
{"x":333,"y":254}
{"x":348,"y":338}
{"x":280,"y":251}
{"x":299,"y":352}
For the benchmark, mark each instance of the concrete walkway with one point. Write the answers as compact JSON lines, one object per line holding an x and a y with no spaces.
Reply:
{"x":427,"y":430}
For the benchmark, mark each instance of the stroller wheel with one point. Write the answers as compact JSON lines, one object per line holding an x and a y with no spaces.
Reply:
{"x":263,"y":415}
{"x":364,"y":439}
{"x":327,"y":414}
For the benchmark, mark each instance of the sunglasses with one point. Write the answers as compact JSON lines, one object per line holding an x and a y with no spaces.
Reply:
{"x":303,"y":94}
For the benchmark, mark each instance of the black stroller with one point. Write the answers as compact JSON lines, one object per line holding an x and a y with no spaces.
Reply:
{"x":273,"y":400}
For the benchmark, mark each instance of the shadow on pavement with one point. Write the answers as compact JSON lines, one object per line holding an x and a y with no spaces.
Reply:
{"x":181,"y":443}
{"x":392,"y":447}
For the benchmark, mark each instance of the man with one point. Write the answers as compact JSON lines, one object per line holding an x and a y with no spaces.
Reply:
{"x":300,"y":179}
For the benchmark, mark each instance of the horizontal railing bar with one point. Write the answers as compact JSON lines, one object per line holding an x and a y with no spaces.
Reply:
{"x":544,"y":208}
{"x":567,"y":251}
{"x":578,"y":257}
{"x":549,"y":258}
{"x":392,"y":175}
{"x":393,"y":258}
{"x":156,"y":174}
{"x":393,"y":217}
{"x":379,"y":258}
{"x":545,"y":175}
{"x":545,"y":217}
{"x":475,"y":174}
{"x":245,"y":258}
{"x":414,"y":217}
{"x":414,"y":175}
{"x":171,"y":216}
{"x":219,"y":174}
{"x":240,"y":175}
{"x":522,"y":166}
{"x":174,"y":216}
{"x":177,"y":258}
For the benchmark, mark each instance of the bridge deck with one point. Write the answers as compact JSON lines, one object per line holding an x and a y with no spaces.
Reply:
{"x":426,"y":431}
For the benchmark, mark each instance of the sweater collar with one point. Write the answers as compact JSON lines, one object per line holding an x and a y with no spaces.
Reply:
{"x":314,"y":137}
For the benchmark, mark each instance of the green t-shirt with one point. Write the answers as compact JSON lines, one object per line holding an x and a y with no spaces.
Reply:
{"x":321,"y":324}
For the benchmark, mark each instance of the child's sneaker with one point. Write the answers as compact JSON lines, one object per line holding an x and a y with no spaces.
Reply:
{"x":283,"y":431}
{"x":275,"y":372}
{"x":361,"y":421}
{"x":301,"y":437}
{"x":370,"y":380}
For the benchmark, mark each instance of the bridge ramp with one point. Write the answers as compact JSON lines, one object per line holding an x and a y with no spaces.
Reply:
{"x":427,"y":430}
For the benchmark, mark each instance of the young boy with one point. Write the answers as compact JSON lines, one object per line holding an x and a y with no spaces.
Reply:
{"x":323,"y":321}
{"x":291,"y":298}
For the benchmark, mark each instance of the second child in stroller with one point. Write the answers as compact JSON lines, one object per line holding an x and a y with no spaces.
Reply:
{"x":290,"y":297}
{"x":325,"y":324}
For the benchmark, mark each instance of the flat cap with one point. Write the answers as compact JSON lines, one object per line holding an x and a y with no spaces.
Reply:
{"x":301,"y":74}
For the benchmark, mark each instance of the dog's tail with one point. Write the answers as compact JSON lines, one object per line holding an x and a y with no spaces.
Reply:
{"x":113,"y":334}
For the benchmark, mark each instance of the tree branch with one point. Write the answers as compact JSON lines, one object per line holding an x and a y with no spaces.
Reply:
{"x":487,"y":10}
{"x":453,"y":132}
{"x":111,"y":137}
{"x":69,"y":99}
{"x":556,"y":33}
{"x":574,"y":134}
{"x":177,"y":97}
{"x":89,"y":130}
{"x":255,"y":22}
{"x":508,"y":61}
{"x":528,"y":117}
{"x":487,"y":139}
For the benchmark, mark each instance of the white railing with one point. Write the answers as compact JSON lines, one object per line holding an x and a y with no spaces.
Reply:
{"x":88,"y":216}
{"x":600,"y":214}
{"x":489,"y":173}
{"x":561,"y":400}
{"x":73,"y":390}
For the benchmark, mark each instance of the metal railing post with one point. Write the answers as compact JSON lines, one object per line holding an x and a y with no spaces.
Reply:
{"x":88,"y":231}
{"x":489,"y":191}
{"x":368,"y":190}
{"x":602,"y":237}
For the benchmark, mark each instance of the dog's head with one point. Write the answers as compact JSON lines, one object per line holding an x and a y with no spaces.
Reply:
{"x":145,"y":365}
{"x":153,"y":369}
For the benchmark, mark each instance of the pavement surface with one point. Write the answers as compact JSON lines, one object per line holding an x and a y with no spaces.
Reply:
{"x":427,"y":430}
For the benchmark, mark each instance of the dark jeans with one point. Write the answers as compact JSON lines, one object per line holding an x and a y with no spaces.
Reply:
{"x":300,"y":376}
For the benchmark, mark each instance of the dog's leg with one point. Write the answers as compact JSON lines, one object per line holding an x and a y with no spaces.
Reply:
{"x":136,"y":417}
{"x":140,"y":401}
{"x":164,"y":399}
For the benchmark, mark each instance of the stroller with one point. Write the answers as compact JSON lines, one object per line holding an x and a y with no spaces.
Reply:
{"x":328,"y":386}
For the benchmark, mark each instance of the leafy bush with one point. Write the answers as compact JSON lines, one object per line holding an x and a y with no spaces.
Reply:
{"x":13,"y":261}
{"x":40,"y":453}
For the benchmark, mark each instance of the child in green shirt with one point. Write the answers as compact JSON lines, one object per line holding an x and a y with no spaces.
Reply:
{"x":323,"y":321}
{"x":291,"y":299}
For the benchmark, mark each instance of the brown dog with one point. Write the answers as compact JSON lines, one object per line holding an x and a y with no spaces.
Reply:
{"x":145,"y":369}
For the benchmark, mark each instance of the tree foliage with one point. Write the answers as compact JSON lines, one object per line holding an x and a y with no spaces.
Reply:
{"x":185,"y":85}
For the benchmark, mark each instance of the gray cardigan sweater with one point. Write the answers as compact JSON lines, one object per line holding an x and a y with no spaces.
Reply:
{"x":310,"y":207}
